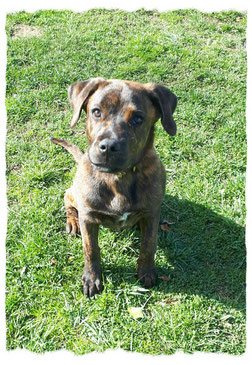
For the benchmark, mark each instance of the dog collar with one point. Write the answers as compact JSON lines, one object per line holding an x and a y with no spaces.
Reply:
{"x":122,"y":173}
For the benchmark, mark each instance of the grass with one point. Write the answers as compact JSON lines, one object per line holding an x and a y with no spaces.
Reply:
{"x":201,"y":57}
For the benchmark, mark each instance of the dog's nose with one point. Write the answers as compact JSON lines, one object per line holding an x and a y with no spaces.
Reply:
{"x":109,"y":146}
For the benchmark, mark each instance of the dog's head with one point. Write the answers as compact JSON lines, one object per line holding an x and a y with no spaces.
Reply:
{"x":120,"y":119}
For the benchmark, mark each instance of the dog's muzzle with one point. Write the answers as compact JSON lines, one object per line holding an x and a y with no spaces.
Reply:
{"x":109,"y":155}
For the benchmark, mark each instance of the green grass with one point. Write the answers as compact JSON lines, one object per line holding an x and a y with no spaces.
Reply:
{"x":201,"y":57}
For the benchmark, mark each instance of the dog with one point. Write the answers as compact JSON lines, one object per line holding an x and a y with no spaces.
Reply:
{"x":120,"y":180}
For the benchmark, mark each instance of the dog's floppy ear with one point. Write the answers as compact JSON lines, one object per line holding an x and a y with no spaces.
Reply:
{"x":166,"y":103}
{"x":78,"y":94}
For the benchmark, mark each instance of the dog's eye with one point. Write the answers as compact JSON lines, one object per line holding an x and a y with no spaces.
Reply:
{"x":96,"y":113}
{"x":136,"y":120}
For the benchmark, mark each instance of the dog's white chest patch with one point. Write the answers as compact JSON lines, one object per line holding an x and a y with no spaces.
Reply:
{"x":123,"y":218}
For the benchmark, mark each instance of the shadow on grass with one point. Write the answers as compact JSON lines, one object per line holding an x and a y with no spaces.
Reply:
{"x":204,"y":251}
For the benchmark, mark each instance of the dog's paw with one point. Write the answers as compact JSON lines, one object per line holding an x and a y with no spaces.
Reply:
{"x":92,"y":282}
{"x":72,"y":225}
{"x":147,"y":276}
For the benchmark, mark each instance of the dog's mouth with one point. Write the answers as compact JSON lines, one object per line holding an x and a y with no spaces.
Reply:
{"x":104,"y":168}
{"x":109,"y":164}
{"x":107,"y":169}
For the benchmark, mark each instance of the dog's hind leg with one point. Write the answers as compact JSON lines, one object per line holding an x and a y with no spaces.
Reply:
{"x":72,"y":224}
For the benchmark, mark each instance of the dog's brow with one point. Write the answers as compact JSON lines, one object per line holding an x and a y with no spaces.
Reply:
{"x":131,"y":110}
{"x":115,"y":95}
{"x":128,"y":112}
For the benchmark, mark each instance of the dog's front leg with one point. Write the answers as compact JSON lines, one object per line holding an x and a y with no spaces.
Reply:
{"x":92,"y":276}
{"x":147,"y":272}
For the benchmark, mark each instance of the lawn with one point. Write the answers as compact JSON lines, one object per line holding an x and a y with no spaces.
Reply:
{"x":199,"y":301}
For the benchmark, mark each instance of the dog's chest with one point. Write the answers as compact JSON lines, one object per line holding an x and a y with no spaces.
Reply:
{"x":125,"y":220}
{"x":119,"y":213}
{"x":114,"y":208}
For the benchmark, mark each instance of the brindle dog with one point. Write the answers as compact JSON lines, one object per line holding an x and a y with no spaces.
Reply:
{"x":120,"y":180}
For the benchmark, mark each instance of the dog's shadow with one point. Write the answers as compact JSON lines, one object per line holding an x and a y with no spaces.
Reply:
{"x":201,"y":253}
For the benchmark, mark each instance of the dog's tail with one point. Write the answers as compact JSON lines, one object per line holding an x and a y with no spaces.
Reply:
{"x":74,"y":150}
